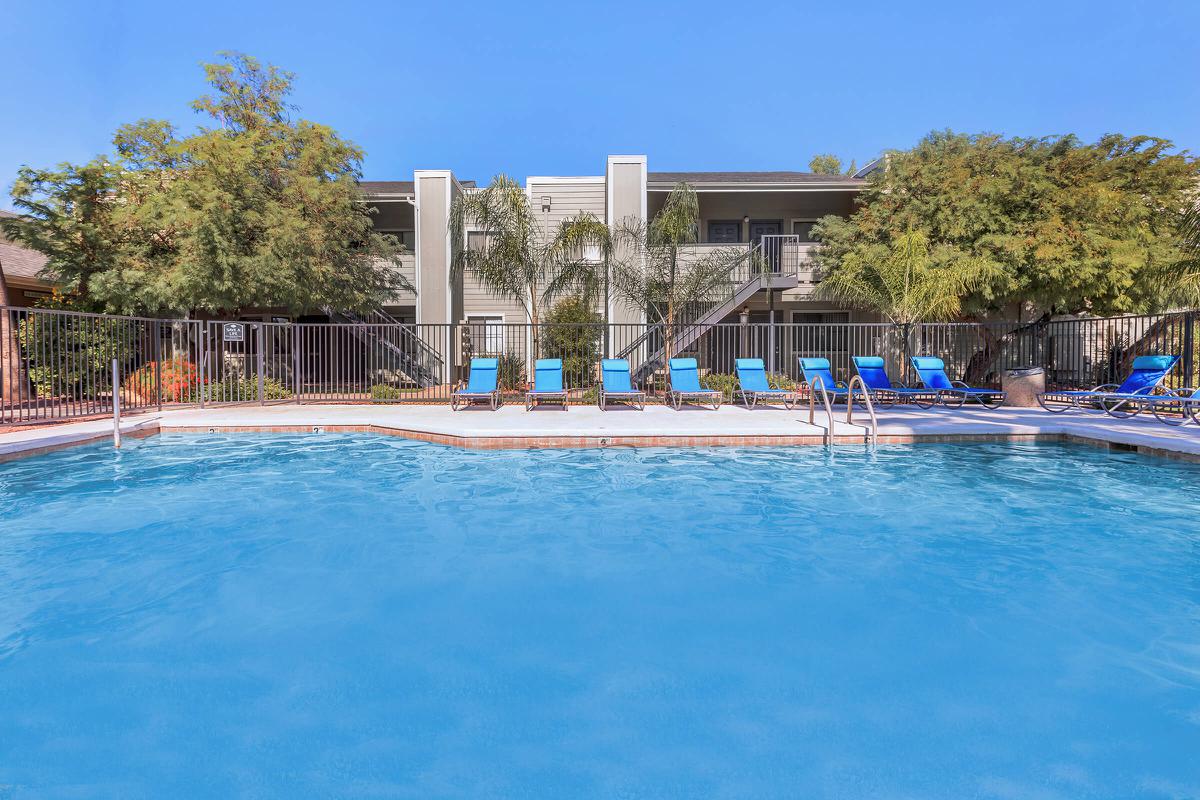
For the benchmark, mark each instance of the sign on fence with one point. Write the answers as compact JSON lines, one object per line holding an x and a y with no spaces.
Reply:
{"x":233,"y":332}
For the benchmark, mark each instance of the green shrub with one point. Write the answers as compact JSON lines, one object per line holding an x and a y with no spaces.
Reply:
{"x":573,"y":332}
{"x":382,"y":392}
{"x":728,"y":383}
{"x":720,"y":382}
{"x":511,"y":373}
{"x":234,"y":390}
{"x":71,"y":356}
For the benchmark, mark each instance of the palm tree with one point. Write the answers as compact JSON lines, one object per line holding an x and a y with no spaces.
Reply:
{"x":516,"y":257}
{"x":902,"y":282}
{"x":1186,"y":282}
{"x":650,"y":270}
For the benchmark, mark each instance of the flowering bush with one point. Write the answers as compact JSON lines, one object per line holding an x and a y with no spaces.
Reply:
{"x":179,"y":379}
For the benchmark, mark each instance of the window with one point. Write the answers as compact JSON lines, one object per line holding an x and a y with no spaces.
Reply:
{"x":487,"y":334}
{"x":477,"y":241}
{"x":821,"y":334}
{"x":406,"y":238}
{"x":803,"y":228}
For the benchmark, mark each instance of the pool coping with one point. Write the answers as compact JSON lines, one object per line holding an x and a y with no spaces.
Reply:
{"x":54,"y":439}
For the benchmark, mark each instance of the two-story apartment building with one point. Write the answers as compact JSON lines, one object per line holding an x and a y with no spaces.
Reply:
{"x":774,"y":211}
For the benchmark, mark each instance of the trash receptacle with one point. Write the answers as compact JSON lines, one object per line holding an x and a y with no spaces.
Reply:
{"x":1023,"y":386}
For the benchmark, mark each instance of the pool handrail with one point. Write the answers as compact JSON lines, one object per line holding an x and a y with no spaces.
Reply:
{"x":819,"y":385}
{"x":867,"y":402}
{"x":811,"y":368}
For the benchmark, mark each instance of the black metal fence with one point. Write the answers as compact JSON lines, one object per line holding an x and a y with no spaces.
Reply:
{"x":57,"y":365}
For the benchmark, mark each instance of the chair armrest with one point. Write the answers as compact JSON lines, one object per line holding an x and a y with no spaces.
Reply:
{"x":960,"y":384}
{"x":1105,"y":387}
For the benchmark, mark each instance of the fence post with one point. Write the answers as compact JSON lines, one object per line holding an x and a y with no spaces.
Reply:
{"x":158,"y":366}
{"x":260,"y":366}
{"x":1189,"y":348}
{"x":116,"y":403}
{"x":771,"y":342}
{"x":202,"y":343}
{"x":296,"y":361}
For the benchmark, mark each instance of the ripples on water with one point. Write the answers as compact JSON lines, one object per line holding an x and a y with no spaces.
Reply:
{"x":343,"y":615}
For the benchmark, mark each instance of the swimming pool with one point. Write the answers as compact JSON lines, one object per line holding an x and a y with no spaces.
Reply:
{"x":354,"y":615}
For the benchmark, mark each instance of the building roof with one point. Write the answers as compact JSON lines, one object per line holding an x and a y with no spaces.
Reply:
{"x":18,"y":261}
{"x":386,"y":187}
{"x":758,"y":178}
{"x":397,"y":187}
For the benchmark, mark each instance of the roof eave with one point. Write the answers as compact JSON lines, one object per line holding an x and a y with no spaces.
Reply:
{"x":844,"y":186}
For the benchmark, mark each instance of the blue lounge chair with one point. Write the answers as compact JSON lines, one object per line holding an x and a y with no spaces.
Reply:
{"x":817,"y":370}
{"x":616,"y":384}
{"x":753,"y":385}
{"x":481,"y":387}
{"x":932,"y":374}
{"x":874,"y":376}
{"x":547,"y":383}
{"x":1142,"y":389}
{"x":685,"y":385}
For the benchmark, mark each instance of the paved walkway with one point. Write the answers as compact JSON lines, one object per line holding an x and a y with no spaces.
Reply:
{"x":585,"y":426}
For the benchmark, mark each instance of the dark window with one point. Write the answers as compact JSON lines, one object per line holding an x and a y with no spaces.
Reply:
{"x":406,"y":238}
{"x":824,"y":334}
{"x":803,"y":229}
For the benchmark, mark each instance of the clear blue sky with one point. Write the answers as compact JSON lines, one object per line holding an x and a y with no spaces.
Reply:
{"x":535,"y":89}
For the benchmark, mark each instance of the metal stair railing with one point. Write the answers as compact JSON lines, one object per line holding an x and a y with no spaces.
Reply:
{"x":693,"y":321}
{"x":420,"y":362}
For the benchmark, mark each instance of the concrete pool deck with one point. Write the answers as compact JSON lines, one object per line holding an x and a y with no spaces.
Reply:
{"x":585,"y":426}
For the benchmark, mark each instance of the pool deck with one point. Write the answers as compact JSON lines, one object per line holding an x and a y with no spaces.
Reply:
{"x":585,"y":426}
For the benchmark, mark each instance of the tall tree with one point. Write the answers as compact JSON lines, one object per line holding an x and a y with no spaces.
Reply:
{"x":515,"y":257}
{"x":255,"y":208}
{"x":829,"y":164}
{"x":1065,"y":227}
{"x":653,"y":270}
{"x":825,"y":164}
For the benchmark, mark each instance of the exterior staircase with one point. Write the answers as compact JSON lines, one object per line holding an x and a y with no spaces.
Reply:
{"x":399,"y":345}
{"x":766,"y":265}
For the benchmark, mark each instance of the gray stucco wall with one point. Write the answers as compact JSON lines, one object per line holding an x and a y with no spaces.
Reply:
{"x":626,"y":197}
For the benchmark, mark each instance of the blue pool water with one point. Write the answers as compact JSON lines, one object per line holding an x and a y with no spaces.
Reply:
{"x":346,"y":616}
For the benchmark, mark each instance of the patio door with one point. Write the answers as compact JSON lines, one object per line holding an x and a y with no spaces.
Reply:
{"x":759,"y":229}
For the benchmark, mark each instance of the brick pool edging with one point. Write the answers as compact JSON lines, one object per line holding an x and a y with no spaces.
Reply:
{"x":590,"y":442}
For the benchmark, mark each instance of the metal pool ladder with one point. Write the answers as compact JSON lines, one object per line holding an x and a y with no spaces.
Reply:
{"x":870,"y":408}
{"x":815,"y":385}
